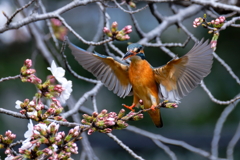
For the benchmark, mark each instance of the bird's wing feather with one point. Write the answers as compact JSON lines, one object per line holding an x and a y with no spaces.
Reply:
{"x":180,"y":76}
{"x":113,"y":74}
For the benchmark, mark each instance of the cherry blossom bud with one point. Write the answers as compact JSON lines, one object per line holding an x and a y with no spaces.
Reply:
{"x":58,"y":88}
{"x":107,"y":32}
{"x":30,"y":71}
{"x":213,"y":44}
{"x":56,"y":101}
{"x":104,"y":111}
{"x":114,"y":26}
{"x":28,"y":63}
{"x":7,"y":151}
{"x":95,"y":114}
{"x":90,"y":131}
{"x":56,"y":22}
{"x":222,"y":19}
{"x":108,"y":130}
{"x":23,"y":111}
{"x":76,"y":128}
{"x":126,"y":37}
{"x":121,"y":113}
{"x":127,"y":29}
{"x":8,"y":133}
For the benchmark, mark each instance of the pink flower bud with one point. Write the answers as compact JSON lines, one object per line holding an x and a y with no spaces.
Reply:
{"x":75,"y":134}
{"x":31,"y":104}
{"x":95,"y":114}
{"x":104,"y":111}
{"x":114,"y":27}
{"x":107,"y":32}
{"x":23,"y":111}
{"x":108,"y":130}
{"x":222,"y":19}
{"x":114,"y":24}
{"x":7,"y":151}
{"x":56,"y":22}
{"x":71,"y":131}
{"x":90,"y":131}
{"x":58,"y":88}
{"x":217,"y":21}
{"x":76,"y":128}
{"x":12,"y":136}
{"x":213,"y":44}
{"x":28,"y":63}
{"x":8,"y":133}
{"x":30,"y":71}
{"x":56,"y":101}
{"x":126,"y":37}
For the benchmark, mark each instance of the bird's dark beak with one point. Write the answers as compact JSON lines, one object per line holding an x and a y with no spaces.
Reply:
{"x":127,"y":55}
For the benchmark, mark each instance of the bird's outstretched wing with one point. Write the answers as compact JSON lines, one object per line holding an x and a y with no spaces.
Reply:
{"x":180,"y":76}
{"x":113,"y":74}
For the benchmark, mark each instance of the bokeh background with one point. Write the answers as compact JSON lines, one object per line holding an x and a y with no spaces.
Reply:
{"x":193,"y":121}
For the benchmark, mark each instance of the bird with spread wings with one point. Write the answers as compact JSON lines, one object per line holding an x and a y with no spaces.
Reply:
{"x":170,"y":82}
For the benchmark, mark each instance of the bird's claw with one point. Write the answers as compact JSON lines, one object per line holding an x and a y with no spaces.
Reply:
{"x":153,"y":108}
{"x":129,"y":107}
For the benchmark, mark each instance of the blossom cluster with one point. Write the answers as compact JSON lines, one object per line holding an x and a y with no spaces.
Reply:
{"x":213,"y":27}
{"x":6,"y":141}
{"x":44,"y":140}
{"x":59,"y":30}
{"x":218,"y":22}
{"x":115,"y":34}
{"x":105,"y":122}
{"x":27,"y":73}
{"x":197,"y":22}
{"x":56,"y":93}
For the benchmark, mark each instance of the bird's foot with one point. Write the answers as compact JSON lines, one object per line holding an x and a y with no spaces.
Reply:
{"x":153,"y":108}
{"x":129,"y":107}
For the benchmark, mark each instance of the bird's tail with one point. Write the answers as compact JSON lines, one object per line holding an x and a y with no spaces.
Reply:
{"x":156,"y":117}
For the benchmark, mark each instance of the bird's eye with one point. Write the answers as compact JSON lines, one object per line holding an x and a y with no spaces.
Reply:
{"x":138,"y":49}
{"x":135,"y":49}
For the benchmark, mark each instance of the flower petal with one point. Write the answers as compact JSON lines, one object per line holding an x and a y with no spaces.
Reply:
{"x":18,"y":103}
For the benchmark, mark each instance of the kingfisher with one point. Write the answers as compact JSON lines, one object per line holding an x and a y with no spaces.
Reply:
{"x":150,"y":85}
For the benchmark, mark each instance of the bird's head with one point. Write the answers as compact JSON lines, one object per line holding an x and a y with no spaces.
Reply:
{"x":135,"y":51}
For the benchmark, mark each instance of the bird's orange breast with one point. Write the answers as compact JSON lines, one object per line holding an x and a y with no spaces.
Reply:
{"x":142,"y":79}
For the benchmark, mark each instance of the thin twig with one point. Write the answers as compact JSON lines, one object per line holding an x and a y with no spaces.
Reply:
{"x":100,"y":26}
{"x":49,"y":24}
{"x":9,"y":78}
{"x":171,"y":141}
{"x":18,"y":10}
{"x":155,"y":13}
{"x":136,"y":25}
{"x":80,"y":37}
{"x":159,"y":44}
{"x":232,"y":143}
{"x":166,"y":149}
{"x":120,"y":143}
{"x":216,"y":100}
{"x":219,"y":126}
{"x":164,"y":49}
{"x":130,"y":12}
{"x":94,"y":102}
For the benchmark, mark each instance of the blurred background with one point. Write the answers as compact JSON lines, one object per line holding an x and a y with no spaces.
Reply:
{"x":192,"y":122}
